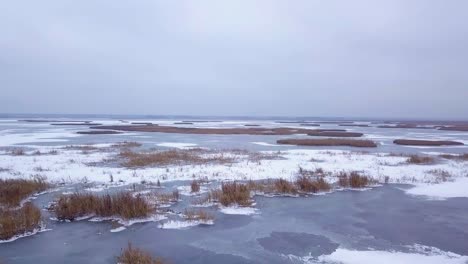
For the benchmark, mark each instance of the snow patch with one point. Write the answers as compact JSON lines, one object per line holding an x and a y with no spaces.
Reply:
{"x":118,"y":229}
{"x":237,"y":210}
{"x":183,"y":224}
{"x":457,"y":188}
{"x":127,"y":223}
{"x":177,"y":145}
{"x":346,"y":256}
{"x":265,"y":144}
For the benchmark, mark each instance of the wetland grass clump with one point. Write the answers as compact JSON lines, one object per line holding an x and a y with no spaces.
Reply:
{"x":127,"y":144}
{"x":441,"y":175}
{"x":13,"y":191}
{"x":432,"y":143}
{"x":284,"y":186}
{"x":17,"y":152}
{"x":133,"y":159}
{"x":459,"y":157}
{"x":420,"y":160}
{"x":353,"y":180}
{"x":19,"y":221}
{"x":123,"y":205}
{"x":234,"y":193}
{"x":132,"y":255}
{"x":198,"y":215}
{"x":194,"y":186}
{"x":312,"y":185}
{"x":303,"y":184}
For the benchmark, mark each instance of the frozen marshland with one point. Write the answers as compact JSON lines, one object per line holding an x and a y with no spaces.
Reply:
{"x":411,"y":208}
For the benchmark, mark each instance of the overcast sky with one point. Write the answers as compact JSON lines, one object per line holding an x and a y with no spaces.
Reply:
{"x":355,"y":58}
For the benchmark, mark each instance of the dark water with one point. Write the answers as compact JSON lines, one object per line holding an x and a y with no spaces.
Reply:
{"x":384,"y":218}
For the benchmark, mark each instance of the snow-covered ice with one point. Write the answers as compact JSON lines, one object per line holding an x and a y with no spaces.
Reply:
{"x":118,"y":229}
{"x":265,"y":144}
{"x":457,"y":188}
{"x":347,"y":256}
{"x":177,"y":145}
{"x":173,"y":224}
{"x":237,"y":210}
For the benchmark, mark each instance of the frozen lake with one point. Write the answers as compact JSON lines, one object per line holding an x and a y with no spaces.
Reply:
{"x":384,"y":224}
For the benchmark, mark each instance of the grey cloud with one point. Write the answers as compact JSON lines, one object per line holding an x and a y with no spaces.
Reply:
{"x":391,"y":58}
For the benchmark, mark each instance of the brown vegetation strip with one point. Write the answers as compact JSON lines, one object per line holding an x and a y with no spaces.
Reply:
{"x":354,"y":180}
{"x":203,"y":121}
{"x":308,"y":124}
{"x":460,"y":157}
{"x":132,"y":255}
{"x":142,"y":123}
{"x":353,"y":125}
{"x":99,"y":132}
{"x":415,"y":159}
{"x":52,"y":121}
{"x":234,"y":193}
{"x":170,"y":157}
{"x":335,"y":122}
{"x":19,"y":221}
{"x":13,"y":191}
{"x":405,"y":126}
{"x":334,"y":134}
{"x":429,"y":122}
{"x":291,"y":122}
{"x":124,"y":205}
{"x":329,"y":142}
{"x":217,"y":131}
{"x":76,"y":124}
{"x":198,"y":215}
{"x":327,"y":130}
{"x":415,"y":142}
{"x":461,"y":128}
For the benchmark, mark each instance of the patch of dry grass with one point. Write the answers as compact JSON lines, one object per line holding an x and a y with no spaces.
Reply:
{"x":334,"y":134}
{"x":460,"y":157}
{"x":132,"y":255}
{"x":304,"y":183}
{"x":312,"y":185}
{"x":198,"y":215}
{"x":258,"y":156}
{"x":127,"y":144}
{"x":99,"y":132}
{"x":353,"y":180}
{"x":316,"y":172}
{"x":284,"y":186}
{"x":414,"y":142}
{"x":442,"y":175}
{"x":165,"y":198}
{"x":234,"y":193}
{"x":207,"y":131}
{"x":13,"y":191}
{"x":420,"y":160}
{"x":170,"y":157}
{"x":17,"y":152}
{"x":124,"y":205}
{"x":19,"y":221}
{"x":194,"y":186}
